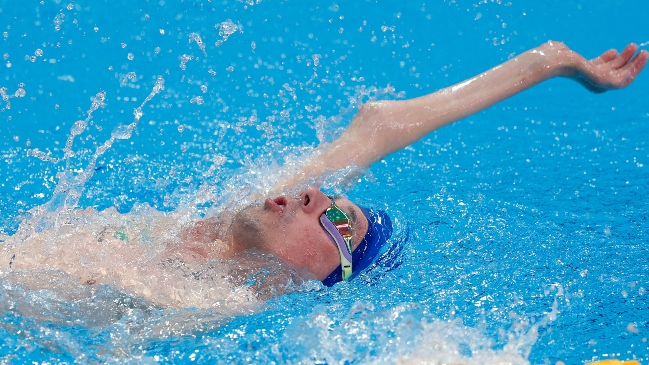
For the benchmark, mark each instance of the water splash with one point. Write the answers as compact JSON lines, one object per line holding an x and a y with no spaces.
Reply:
{"x":77,"y":128}
{"x":70,"y":187}
{"x":404,"y":335}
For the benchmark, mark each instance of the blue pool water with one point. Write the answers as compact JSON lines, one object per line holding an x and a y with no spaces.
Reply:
{"x":520,"y":232}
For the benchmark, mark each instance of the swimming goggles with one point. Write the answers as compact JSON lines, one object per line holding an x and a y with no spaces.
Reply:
{"x":339,"y":228}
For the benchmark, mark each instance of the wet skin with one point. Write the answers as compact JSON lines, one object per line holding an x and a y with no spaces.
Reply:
{"x":289,"y":228}
{"x":127,"y":255}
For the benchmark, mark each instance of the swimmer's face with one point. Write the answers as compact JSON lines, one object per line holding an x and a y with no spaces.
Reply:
{"x":289,"y":228}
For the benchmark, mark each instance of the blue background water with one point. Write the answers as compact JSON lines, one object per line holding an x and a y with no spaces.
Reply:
{"x":541,"y":199}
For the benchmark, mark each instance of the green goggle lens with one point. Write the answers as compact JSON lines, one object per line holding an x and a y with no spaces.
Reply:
{"x":340,"y":220}
{"x":343,"y":225}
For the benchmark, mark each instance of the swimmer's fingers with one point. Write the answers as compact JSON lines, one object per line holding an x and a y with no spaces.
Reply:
{"x":604,"y":57}
{"x":624,"y":69}
{"x":623,"y":57}
{"x":633,"y":67}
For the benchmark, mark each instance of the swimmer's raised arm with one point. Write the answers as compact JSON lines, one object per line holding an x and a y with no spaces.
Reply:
{"x":382,"y":127}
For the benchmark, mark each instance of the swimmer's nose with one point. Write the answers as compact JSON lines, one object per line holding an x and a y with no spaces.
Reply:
{"x":314,"y":201}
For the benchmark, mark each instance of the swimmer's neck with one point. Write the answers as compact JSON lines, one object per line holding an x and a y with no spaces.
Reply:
{"x":205,"y":240}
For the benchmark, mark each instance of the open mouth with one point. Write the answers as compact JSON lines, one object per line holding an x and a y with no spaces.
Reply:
{"x":277,"y":205}
{"x":281,"y":202}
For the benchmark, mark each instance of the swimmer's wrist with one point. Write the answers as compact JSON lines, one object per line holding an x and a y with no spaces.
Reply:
{"x":558,"y":59}
{"x":571,"y":65}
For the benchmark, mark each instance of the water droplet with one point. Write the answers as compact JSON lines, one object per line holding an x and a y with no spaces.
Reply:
{"x":253,"y":45}
{"x":96,"y":29}
{"x":38,"y":52}
{"x":195,"y":37}
{"x":130,"y":56}
{"x":137,"y":112}
{"x":127,"y":77}
{"x":204,"y":88}
{"x":123,"y":45}
{"x":98,"y":101}
{"x":70,"y":6}
{"x":122,"y":132}
{"x":196,"y":100}
{"x":162,"y":31}
{"x":226,"y":29}
{"x":78,"y":127}
{"x":20,"y":92}
{"x":184,"y":59}
{"x":159,"y":85}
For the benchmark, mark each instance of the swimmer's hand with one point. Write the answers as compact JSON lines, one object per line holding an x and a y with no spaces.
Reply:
{"x":608,"y":71}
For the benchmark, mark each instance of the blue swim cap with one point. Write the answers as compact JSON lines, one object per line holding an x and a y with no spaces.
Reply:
{"x":379,"y":230}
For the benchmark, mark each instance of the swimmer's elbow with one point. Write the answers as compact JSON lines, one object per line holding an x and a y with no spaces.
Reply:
{"x":378,"y":126}
{"x":373,"y":112}
{"x":376,"y":118}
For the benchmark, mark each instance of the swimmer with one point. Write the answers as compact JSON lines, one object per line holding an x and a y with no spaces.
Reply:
{"x":297,"y":229}
{"x":325,"y":238}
